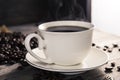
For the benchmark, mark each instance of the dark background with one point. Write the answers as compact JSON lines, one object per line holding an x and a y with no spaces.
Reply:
{"x":17,"y":12}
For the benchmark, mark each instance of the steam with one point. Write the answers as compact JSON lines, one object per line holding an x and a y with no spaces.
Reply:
{"x":69,"y":10}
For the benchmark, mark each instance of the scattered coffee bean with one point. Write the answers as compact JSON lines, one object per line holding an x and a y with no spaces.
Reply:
{"x":106,"y":47}
{"x":118,"y":49}
{"x":115,"y":45}
{"x":118,"y":68}
{"x":109,"y":51}
{"x":108,"y":69}
{"x":113,"y":64}
{"x":93,"y":44}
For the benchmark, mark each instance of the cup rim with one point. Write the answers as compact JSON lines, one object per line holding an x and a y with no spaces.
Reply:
{"x":44,"y":26}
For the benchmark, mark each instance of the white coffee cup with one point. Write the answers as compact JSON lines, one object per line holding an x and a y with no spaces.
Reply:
{"x":62,"y":48}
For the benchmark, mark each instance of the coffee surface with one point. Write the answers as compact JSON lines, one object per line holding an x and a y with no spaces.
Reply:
{"x":66,"y":29}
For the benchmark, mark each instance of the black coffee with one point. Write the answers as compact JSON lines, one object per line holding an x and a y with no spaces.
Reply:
{"x":66,"y":29}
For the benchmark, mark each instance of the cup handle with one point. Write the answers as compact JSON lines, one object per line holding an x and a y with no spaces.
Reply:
{"x":40,"y":45}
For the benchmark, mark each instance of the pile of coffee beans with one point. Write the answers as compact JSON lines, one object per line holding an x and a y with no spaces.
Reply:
{"x":12,"y":49}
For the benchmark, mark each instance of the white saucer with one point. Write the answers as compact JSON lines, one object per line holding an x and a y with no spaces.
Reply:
{"x":95,"y":58}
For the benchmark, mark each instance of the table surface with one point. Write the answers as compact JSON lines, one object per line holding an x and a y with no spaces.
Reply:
{"x":30,"y":73}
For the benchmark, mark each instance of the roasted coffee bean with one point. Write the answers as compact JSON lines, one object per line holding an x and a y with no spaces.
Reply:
{"x":2,"y":57}
{"x":115,"y":45}
{"x":118,"y":49}
{"x":108,"y":69}
{"x":106,"y":47}
{"x":113,"y":64}
{"x":118,"y":68}
{"x":12,"y":49}
{"x":93,"y":44}
{"x":109,"y":51}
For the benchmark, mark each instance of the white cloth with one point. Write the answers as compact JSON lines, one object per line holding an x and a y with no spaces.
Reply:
{"x":101,"y":39}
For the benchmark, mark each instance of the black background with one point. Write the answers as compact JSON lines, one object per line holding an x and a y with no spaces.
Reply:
{"x":16,"y":12}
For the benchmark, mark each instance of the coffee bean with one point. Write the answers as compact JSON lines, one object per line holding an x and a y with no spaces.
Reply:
{"x":119,"y":50}
{"x":115,"y":45}
{"x":93,"y":44}
{"x":113,"y":64}
{"x":12,"y":48}
{"x":109,"y":51}
{"x":11,"y":45}
{"x":108,"y":69}
{"x":118,"y":68}
{"x":106,"y":47}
